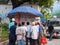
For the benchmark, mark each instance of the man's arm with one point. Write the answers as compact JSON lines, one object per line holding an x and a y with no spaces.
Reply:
{"x":23,"y":37}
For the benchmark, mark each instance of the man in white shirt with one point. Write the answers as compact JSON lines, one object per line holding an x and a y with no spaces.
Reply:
{"x":28,"y":37}
{"x":34,"y":33}
{"x":21,"y":33}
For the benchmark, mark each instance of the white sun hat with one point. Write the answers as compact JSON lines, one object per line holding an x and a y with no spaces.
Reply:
{"x":33,"y":23}
{"x":13,"y":19}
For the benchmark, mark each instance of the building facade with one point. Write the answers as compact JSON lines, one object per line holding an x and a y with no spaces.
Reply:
{"x":6,"y":8}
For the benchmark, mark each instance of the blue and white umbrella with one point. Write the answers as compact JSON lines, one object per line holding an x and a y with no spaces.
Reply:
{"x":25,"y":9}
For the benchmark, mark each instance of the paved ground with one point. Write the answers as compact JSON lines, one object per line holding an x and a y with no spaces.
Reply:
{"x":54,"y":42}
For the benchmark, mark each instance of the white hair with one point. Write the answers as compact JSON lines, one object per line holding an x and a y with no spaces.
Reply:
{"x":13,"y":19}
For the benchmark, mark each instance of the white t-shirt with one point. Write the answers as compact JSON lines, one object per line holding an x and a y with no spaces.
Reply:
{"x":29,"y":31}
{"x":34,"y":30}
{"x":24,"y":29}
{"x":20,"y":30}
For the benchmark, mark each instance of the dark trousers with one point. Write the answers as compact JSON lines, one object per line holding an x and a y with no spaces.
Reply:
{"x":28,"y":40}
{"x":38,"y":41}
{"x":51,"y":36}
{"x":12,"y":40}
{"x":34,"y":41}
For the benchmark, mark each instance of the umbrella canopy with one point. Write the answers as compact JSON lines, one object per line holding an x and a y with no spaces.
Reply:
{"x":25,"y":9}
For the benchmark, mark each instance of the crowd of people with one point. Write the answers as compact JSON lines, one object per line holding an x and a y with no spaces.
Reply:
{"x":26,"y":33}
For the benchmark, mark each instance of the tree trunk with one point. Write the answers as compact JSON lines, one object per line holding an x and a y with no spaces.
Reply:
{"x":14,"y":3}
{"x":18,"y":3}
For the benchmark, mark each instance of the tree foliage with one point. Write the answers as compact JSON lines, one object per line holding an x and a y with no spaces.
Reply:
{"x":46,"y":15}
{"x":17,"y":3}
{"x":45,"y":3}
{"x":4,"y":1}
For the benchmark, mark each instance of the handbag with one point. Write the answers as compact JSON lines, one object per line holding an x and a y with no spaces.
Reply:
{"x":44,"y":40}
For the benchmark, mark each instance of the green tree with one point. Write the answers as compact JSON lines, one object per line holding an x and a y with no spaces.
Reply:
{"x":44,"y":3}
{"x":4,"y":1}
{"x":17,"y":3}
{"x":46,"y":15}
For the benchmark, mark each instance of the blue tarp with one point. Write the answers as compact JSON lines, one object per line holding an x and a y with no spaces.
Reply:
{"x":25,"y":9}
{"x":43,"y":20}
{"x":3,"y":15}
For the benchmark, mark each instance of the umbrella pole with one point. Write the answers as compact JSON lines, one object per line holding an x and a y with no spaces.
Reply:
{"x":18,"y":19}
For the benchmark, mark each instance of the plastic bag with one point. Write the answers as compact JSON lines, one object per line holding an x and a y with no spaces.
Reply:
{"x":44,"y":40}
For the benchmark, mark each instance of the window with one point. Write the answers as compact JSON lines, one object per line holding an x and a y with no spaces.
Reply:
{"x":55,"y":23}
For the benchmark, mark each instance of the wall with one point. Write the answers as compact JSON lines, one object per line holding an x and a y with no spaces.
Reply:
{"x":33,"y":5}
{"x":4,"y":10}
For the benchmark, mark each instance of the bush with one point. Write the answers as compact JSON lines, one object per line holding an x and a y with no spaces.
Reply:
{"x":4,"y":33}
{"x":4,"y":26}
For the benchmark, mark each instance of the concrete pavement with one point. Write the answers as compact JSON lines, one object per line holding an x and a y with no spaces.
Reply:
{"x":4,"y":42}
{"x":54,"y":42}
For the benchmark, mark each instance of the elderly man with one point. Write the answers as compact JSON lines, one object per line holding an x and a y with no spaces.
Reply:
{"x":21,"y":34}
{"x":12,"y":21}
{"x":28,"y":37}
{"x":12,"y":29}
{"x":34,"y":33}
{"x":12,"y":34}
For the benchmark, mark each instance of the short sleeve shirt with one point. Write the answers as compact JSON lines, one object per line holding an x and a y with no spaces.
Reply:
{"x":11,"y":24}
{"x":19,"y":31}
{"x":28,"y":29}
{"x":24,"y":29}
{"x":34,"y":30}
